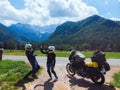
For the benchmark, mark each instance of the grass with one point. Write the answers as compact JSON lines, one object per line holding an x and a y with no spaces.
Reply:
{"x":11,"y":72}
{"x":116,"y":81}
{"x":115,"y":55}
{"x":112,"y":55}
{"x":14,"y":52}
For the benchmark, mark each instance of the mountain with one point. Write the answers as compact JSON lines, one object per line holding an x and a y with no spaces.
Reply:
{"x":34,"y":33}
{"x":6,"y":34}
{"x":25,"y":32}
{"x":91,"y":33}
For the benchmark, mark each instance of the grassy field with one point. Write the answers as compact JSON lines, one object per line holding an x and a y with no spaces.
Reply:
{"x":11,"y":73}
{"x":62,"y":53}
{"x":116,"y":81}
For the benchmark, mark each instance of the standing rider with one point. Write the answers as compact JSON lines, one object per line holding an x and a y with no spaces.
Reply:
{"x":51,"y":60}
{"x":29,"y":51}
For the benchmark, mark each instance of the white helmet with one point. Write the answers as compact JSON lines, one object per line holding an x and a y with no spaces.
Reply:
{"x":28,"y":46}
{"x":51,"y":48}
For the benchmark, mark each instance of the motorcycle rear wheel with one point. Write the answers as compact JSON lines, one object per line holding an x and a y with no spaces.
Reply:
{"x":98,"y":79}
{"x":70,"y":70}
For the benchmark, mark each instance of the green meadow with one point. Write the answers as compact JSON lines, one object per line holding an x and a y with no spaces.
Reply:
{"x":115,"y":55}
{"x":11,"y":74}
{"x":116,"y":80}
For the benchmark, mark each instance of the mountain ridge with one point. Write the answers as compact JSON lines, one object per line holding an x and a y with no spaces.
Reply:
{"x":91,"y":33}
{"x":25,"y":32}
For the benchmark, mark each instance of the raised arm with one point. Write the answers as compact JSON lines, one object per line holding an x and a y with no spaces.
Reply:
{"x":41,"y":49}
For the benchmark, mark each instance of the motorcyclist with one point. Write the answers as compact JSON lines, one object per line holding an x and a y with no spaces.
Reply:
{"x":51,"y":60}
{"x":29,"y":51}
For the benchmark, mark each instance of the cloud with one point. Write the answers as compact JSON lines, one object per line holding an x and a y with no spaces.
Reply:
{"x":109,"y":14}
{"x":115,"y":19}
{"x":45,"y":12}
{"x":10,"y":14}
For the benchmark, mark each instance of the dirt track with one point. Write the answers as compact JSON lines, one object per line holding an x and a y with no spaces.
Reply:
{"x":66,"y":82}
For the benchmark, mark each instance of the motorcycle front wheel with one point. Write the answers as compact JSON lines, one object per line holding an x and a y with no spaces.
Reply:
{"x":70,"y":70}
{"x":98,"y":79}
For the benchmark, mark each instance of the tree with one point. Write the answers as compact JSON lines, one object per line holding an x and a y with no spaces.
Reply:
{"x":11,"y":45}
{"x":1,"y":44}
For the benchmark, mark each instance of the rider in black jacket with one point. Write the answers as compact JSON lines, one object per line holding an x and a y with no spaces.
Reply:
{"x":32,"y":60}
{"x":50,"y":60}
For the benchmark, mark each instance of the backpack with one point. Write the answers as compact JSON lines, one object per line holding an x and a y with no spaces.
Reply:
{"x":107,"y":66}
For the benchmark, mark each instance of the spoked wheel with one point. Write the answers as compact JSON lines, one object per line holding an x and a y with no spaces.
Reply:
{"x":69,"y":69}
{"x":98,"y":79}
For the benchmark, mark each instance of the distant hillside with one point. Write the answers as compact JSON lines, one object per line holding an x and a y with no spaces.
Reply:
{"x":6,"y":34}
{"x":25,"y":33}
{"x":91,"y":33}
{"x":34,"y":33}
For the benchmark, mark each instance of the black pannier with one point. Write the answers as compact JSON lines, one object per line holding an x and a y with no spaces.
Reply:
{"x":107,"y":66}
{"x":99,"y":58}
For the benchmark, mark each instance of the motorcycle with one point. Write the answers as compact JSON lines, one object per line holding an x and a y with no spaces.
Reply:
{"x":77,"y":65}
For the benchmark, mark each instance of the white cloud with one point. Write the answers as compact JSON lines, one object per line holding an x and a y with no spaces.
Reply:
{"x":10,"y":14}
{"x":45,"y":12}
{"x":115,"y":19}
{"x":112,"y":18}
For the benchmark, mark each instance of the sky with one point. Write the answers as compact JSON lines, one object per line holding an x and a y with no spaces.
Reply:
{"x":48,"y":12}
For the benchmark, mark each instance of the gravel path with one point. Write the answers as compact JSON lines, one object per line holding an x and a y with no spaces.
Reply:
{"x":66,"y":82}
{"x":60,"y":61}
